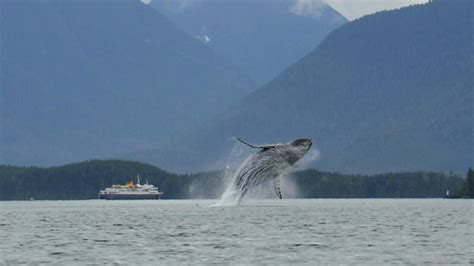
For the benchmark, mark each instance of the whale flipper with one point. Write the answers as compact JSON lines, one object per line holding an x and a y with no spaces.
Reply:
{"x":277,"y":187}
{"x":264,"y":147}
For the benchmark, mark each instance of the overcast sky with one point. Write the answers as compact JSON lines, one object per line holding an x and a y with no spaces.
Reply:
{"x":352,"y":9}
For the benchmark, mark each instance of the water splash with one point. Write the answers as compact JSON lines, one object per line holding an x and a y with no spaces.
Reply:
{"x":231,"y":195}
{"x":270,"y":164}
{"x":229,"y":198}
{"x":311,"y":157}
{"x":236,"y":158}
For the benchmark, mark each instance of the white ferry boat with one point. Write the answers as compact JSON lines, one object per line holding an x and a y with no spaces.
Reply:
{"x":131,"y":191}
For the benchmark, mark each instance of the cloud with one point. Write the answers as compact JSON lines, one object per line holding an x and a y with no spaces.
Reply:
{"x":186,"y":3}
{"x":310,"y":8}
{"x":350,"y":9}
{"x":353,"y":9}
{"x":182,"y":4}
{"x":177,"y":6}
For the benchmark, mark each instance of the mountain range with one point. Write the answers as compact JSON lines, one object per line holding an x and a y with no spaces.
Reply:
{"x":261,"y":37}
{"x":92,"y":79}
{"x":89,"y":79}
{"x":388,"y":92}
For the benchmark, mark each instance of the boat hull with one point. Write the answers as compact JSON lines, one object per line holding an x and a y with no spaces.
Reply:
{"x":130,"y":196}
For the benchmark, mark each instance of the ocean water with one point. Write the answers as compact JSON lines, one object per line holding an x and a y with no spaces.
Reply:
{"x":319,"y":231}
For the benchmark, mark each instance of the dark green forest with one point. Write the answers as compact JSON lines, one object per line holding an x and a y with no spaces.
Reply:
{"x":467,"y":190}
{"x":316,"y":184}
{"x":83,"y":181}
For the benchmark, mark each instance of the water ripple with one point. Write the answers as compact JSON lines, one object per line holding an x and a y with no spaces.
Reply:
{"x":260,"y":232}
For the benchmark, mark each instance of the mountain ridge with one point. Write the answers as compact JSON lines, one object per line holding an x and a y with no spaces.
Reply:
{"x":388,"y":92}
{"x":79,"y":81}
{"x":260,"y":37}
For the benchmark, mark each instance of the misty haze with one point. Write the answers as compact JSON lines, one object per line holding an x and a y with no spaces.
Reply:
{"x":322,"y":132}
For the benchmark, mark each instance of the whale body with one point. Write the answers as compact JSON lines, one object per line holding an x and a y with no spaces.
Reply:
{"x":268,"y":164}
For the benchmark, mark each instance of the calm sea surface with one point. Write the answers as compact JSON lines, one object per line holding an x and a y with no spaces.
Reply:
{"x":388,"y":231}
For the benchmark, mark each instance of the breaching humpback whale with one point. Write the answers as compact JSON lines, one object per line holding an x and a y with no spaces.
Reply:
{"x":268,"y":164}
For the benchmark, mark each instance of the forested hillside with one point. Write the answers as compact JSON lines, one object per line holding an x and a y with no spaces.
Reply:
{"x":89,"y":79}
{"x":84,"y":180}
{"x":388,"y":92}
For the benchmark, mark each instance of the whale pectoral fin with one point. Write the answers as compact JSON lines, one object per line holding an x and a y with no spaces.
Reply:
{"x":277,"y":187}
{"x":264,"y":147}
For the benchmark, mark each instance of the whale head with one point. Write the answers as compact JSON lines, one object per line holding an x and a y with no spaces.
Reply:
{"x":301,"y":144}
{"x":297,"y":149}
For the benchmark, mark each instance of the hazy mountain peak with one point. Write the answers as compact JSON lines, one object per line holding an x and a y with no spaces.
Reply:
{"x":261,"y":37}
{"x":311,"y":8}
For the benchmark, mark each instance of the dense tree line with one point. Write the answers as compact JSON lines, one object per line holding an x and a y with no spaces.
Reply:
{"x":84,"y":180}
{"x":470,"y":184}
{"x":467,"y":190}
{"x":316,"y":184}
